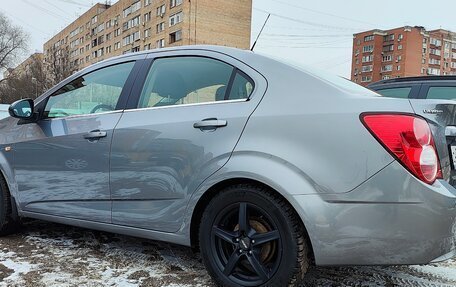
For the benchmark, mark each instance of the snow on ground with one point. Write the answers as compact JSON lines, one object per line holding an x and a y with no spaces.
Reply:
{"x":47,"y":254}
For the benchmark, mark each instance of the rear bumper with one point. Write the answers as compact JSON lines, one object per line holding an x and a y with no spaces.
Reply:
{"x":392,"y":218}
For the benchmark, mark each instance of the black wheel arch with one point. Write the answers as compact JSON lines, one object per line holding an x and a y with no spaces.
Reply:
{"x":12,"y":208}
{"x":215,"y":189}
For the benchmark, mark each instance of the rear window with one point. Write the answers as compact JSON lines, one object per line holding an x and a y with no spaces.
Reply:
{"x":443,"y":93}
{"x":402,"y":92}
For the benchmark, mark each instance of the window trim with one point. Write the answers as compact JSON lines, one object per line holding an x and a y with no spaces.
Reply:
{"x":142,"y":77}
{"x":121,"y":103}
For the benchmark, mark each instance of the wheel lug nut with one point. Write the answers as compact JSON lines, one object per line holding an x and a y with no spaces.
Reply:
{"x":240,"y":251}
{"x":237,"y":239}
{"x":250,"y":252}
{"x":253,"y":241}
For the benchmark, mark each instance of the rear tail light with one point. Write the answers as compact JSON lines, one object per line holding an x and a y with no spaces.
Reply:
{"x":409,"y":139}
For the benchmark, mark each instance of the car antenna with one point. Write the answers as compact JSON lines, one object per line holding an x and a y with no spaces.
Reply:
{"x":259,"y":34}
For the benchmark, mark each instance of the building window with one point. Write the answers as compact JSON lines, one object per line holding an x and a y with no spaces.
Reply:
{"x":131,"y":38}
{"x":365,"y":79}
{"x":117,"y":46}
{"x":388,"y":38}
{"x":369,"y":38}
{"x":161,"y":43}
{"x":147,"y":2}
{"x":175,"y":19}
{"x":147,"y":33}
{"x":398,"y":67}
{"x":176,"y":36}
{"x":161,"y":10}
{"x":108,"y":36}
{"x":366,"y":69}
{"x":160,"y":27}
{"x":135,"y":49}
{"x":367,"y":49}
{"x":147,"y":47}
{"x":434,"y":62}
{"x":386,"y":77}
{"x":435,"y":52}
{"x":131,"y":23}
{"x":117,"y":32}
{"x":433,"y":71}
{"x":147,"y":17}
{"x":132,"y":9}
{"x":108,"y":50}
{"x":388,"y":48}
{"x":387,"y":58}
{"x":174,"y":3}
{"x":399,"y":47}
{"x":94,"y":19}
{"x":369,"y":58}
{"x":436,"y":42}
{"x":387,"y":68}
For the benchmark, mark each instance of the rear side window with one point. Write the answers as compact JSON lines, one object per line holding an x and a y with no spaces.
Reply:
{"x":192,"y":80}
{"x":443,"y":93}
{"x":402,"y":93}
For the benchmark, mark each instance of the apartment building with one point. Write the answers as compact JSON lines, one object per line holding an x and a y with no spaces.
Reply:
{"x":402,"y":52}
{"x":24,"y":67}
{"x":136,"y":25}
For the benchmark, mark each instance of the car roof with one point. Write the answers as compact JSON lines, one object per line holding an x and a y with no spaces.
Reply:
{"x":422,"y":79}
{"x":214,"y":48}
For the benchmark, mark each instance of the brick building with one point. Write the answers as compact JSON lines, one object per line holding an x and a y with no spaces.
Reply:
{"x":402,"y":52}
{"x":135,"y":25}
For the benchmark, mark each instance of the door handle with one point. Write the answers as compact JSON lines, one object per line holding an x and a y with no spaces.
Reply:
{"x":96,"y":134}
{"x":209,"y":124}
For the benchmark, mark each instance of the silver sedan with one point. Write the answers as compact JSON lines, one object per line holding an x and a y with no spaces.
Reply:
{"x":266,"y":167}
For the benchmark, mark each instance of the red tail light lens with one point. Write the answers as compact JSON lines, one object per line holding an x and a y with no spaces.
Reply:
{"x":409,"y":139}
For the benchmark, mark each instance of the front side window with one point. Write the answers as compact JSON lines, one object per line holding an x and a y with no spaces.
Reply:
{"x":92,"y":93}
{"x":443,"y":93}
{"x":192,"y":80}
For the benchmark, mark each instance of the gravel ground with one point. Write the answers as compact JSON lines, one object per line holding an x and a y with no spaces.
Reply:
{"x":47,"y":254}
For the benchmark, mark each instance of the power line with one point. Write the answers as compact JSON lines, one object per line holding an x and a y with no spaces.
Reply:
{"x":24,"y":23}
{"x":74,"y":3}
{"x":57,"y":7}
{"x":47,"y":11}
{"x":308,"y":22}
{"x":323,"y":13}
{"x":308,"y":36}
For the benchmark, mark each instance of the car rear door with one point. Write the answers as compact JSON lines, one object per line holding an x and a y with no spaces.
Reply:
{"x":182,"y":125}
{"x":61,"y":162}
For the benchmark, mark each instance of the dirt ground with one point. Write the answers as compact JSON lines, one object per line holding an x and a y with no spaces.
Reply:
{"x":47,"y":254}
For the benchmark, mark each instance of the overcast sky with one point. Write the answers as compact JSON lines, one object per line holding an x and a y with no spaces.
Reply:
{"x":315,"y":33}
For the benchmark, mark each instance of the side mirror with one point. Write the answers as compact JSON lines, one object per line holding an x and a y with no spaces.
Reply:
{"x":22,"y":109}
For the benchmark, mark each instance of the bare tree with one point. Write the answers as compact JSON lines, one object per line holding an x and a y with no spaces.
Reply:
{"x":13,"y":42}
{"x":59,"y":65}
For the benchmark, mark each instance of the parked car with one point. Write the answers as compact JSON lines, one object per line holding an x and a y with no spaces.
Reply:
{"x":264,"y":166}
{"x":429,"y":87}
{"x":3,"y":111}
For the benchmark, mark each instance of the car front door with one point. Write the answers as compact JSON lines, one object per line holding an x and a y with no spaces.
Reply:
{"x":61,"y":161}
{"x":186,"y":121}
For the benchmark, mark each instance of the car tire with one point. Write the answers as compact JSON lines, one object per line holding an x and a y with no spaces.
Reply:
{"x":268,"y":249}
{"x":7,"y":224}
